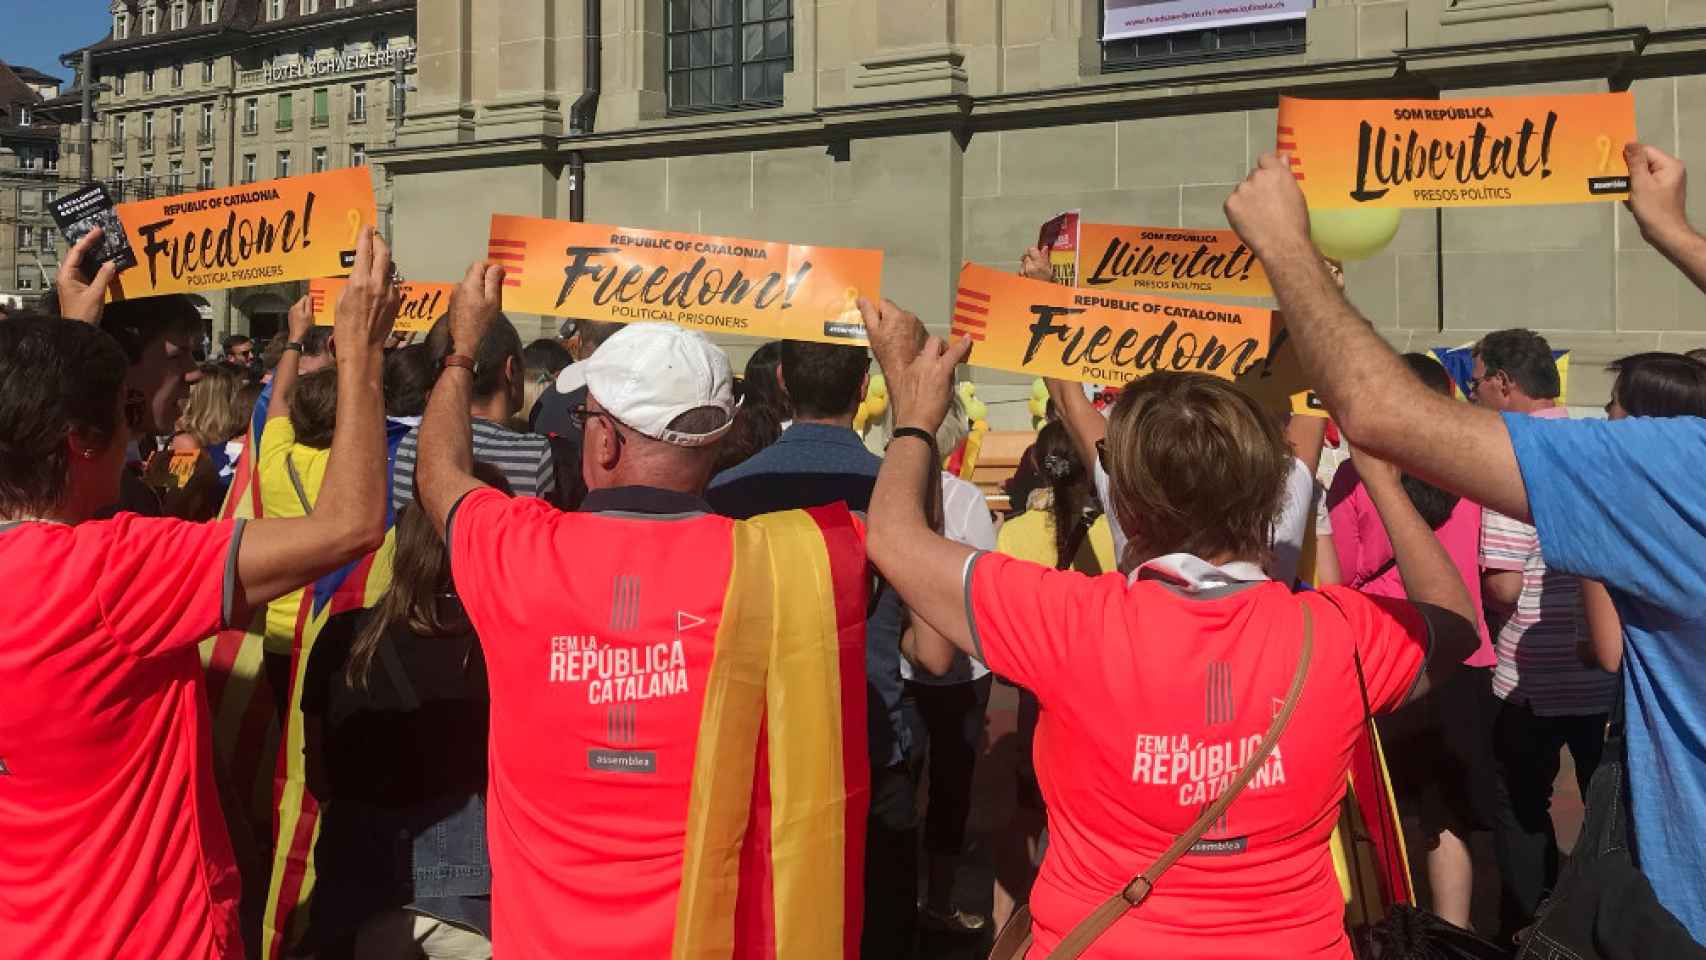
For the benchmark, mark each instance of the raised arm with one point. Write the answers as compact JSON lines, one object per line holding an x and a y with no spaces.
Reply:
{"x":1431,"y":580}
{"x":1375,"y":398}
{"x":1658,"y":197}
{"x":926,"y":568}
{"x":81,"y":299}
{"x":444,"y":469}
{"x":300,"y":321}
{"x":280,"y":555}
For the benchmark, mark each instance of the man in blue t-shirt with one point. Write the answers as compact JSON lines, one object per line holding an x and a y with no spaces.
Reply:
{"x":1619,"y":502}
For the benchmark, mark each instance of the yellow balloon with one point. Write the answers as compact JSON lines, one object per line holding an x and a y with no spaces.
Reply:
{"x":878,"y":388}
{"x":1039,"y":408}
{"x":1353,"y":233}
{"x":1039,"y":390}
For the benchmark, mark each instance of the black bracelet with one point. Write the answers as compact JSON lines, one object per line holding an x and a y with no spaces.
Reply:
{"x":918,"y":432}
{"x":295,"y":345}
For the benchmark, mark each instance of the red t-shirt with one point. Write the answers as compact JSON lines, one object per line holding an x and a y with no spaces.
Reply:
{"x":1151,"y":701}
{"x":598,"y":632}
{"x":114,"y":844}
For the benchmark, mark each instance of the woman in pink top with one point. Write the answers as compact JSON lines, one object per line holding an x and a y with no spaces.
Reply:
{"x":1437,"y":749}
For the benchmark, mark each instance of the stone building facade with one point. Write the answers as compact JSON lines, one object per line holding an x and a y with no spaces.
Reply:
{"x":194,"y":94}
{"x":29,"y":180}
{"x":947,"y":130}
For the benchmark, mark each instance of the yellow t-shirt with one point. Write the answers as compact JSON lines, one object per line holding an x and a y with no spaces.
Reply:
{"x":1030,"y":536}
{"x":280,"y":499}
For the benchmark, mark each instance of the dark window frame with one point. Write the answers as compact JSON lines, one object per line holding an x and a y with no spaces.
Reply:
{"x":713,"y":38}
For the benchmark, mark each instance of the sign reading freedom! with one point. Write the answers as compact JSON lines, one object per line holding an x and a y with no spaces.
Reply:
{"x":1096,"y":336}
{"x":716,"y":284}
{"x":1487,"y":151}
{"x":296,"y":228}
{"x":423,"y":303}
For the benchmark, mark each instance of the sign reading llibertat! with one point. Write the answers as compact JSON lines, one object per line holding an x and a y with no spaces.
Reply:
{"x":1105,"y":337}
{"x":423,"y":303}
{"x":1159,"y":259}
{"x":1485,"y":151}
{"x":296,"y":228}
{"x":716,"y":284}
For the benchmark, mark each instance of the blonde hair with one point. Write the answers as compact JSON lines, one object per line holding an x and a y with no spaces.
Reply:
{"x":1195,"y":467}
{"x":214,"y":413}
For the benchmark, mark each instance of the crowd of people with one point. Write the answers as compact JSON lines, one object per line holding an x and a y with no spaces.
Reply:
{"x":615,"y":568}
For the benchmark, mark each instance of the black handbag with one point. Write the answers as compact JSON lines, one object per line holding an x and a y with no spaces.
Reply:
{"x":1602,"y":905}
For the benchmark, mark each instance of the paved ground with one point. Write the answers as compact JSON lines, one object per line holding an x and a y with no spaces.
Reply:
{"x":994,"y":801}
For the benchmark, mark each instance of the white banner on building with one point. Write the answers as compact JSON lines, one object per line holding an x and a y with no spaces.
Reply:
{"x":1122,"y":19}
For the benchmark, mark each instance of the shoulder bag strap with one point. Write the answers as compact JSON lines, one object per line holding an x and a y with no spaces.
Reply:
{"x":296,"y":481}
{"x":399,"y":677}
{"x":1080,"y":937}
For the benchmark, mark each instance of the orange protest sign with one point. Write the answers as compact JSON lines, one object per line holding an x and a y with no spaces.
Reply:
{"x":1168,"y":260}
{"x":1484,"y":151}
{"x":291,"y":229}
{"x":423,"y":303}
{"x":1098,"y":336}
{"x":716,"y":284}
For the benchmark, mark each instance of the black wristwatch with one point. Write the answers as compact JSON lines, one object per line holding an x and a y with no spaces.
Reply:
{"x":918,"y":432}
{"x":295,"y":345}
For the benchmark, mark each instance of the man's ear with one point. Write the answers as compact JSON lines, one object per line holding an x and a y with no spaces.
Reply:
{"x":865,"y":384}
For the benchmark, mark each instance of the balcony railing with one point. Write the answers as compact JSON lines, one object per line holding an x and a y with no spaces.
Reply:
{"x":175,"y":140}
{"x":250,"y":129}
{"x":119,"y":146}
{"x":283,"y":126}
{"x":358,"y":115}
{"x":319,"y":122}
{"x":204,"y":138}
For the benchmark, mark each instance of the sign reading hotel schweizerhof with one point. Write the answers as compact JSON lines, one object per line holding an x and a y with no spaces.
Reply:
{"x":344,"y":63}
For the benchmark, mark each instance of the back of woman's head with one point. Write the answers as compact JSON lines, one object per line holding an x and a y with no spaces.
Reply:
{"x":215,"y":414}
{"x":408,"y":376}
{"x":1660,"y":385}
{"x":1195,"y":467}
{"x":57,"y":377}
{"x":1057,"y":458}
{"x":756,"y":426}
{"x":758,"y":382}
{"x":1068,"y":483}
{"x":314,"y":408}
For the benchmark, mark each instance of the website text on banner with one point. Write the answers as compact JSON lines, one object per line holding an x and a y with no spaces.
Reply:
{"x":716,"y":284}
{"x":423,"y":303}
{"x":296,"y":228}
{"x":1102,"y":337}
{"x":1158,"y":259}
{"x":1147,"y":18}
{"x":1486,"y":151}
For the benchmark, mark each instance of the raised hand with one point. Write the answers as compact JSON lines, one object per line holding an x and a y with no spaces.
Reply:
{"x":1268,"y":209}
{"x":79,"y":298}
{"x":475,"y":305}
{"x":919,"y":368}
{"x":1034,"y":264}
{"x":370,"y":301}
{"x":300,"y":319}
{"x":1658,"y":193}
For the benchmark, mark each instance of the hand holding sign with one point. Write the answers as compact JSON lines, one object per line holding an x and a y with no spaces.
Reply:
{"x":1035,"y":265}
{"x":79,"y":298}
{"x":1658,"y":193}
{"x":370,"y":302}
{"x":1268,"y":210}
{"x":918,"y":369}
{"x":475,"y":306}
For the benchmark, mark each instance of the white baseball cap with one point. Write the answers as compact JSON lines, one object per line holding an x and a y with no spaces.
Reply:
{"x":648,"y":374}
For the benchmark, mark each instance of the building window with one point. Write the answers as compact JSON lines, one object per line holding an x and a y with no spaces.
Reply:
{"x":283,"y":167}
{"x":145,"y":188}
{"x":344,"y":4}
{"x":26,"y":237}
{"x":251,"y":114}
{"x":118,"y":132}
{"x":310,"y":6}
{"x":728,"y":53}
{"x":23,"y":116}
{"x":209,"y":11}
{"x":318,"y":164}
{"x":322,"y":114}
{"x":177,"y":76}
{"x":207,"y":123}
{"x":118,"y":183}
{"x":358,"y":102}
{"x":207,"y":71}
{"x":175,"y":176}
{"x":1215,"y":43}
{"x":380,"y":41}
{"x":205,"y":181}
{"x":248,"y":168}
{"x":148,"y":78}
{"x":25,"y":280}
{"x":275,"y":9}
{"x":180,"y":16}
{"x":177,"y":132}
{"x":285,"y":115}
{"x":150,"y":22}
{"x":148,"y":130}
{"x":358,"y":154}
{"x":121,"y":26}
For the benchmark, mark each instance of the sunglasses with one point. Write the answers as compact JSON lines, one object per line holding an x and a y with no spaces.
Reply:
{"x":581,"y":413}
{"x":1474,"y":383}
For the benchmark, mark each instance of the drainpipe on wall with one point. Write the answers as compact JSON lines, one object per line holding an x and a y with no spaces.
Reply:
{"x":584,"y":112}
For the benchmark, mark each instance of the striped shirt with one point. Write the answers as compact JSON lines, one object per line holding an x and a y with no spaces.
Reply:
{"x":523,"y":458}
{"x":1538,"y":663}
